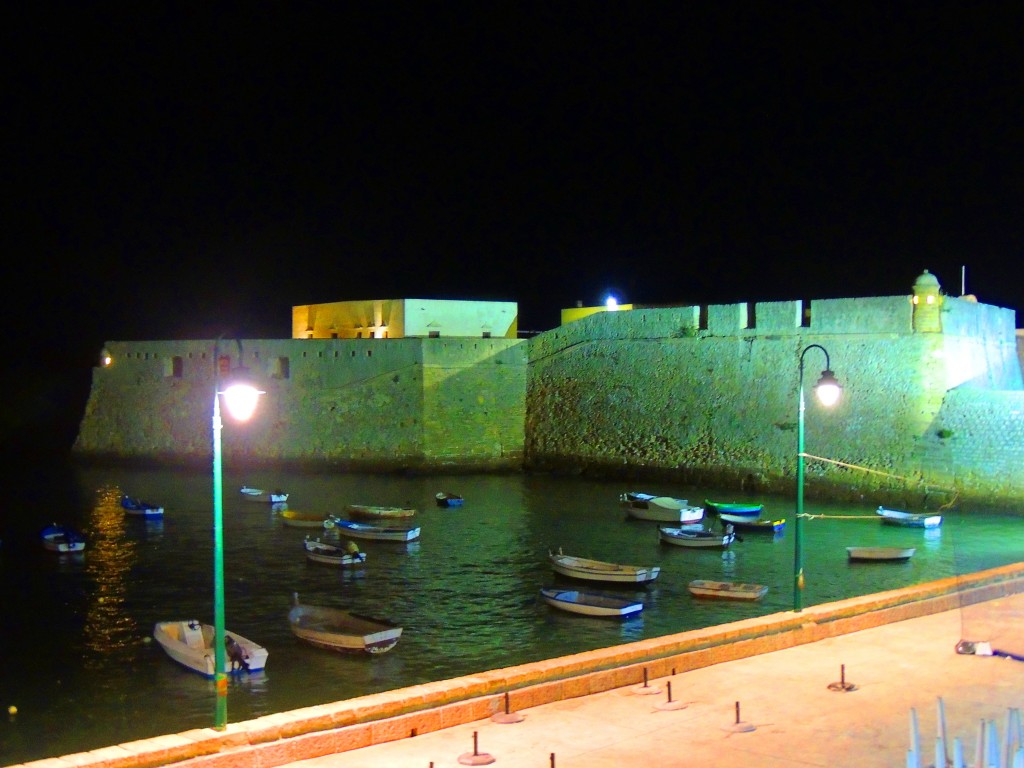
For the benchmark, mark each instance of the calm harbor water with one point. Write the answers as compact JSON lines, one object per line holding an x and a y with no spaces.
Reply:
{"x":79,"y":664}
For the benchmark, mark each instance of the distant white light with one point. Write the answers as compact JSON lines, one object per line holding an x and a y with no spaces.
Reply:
{"x":611,"y":303}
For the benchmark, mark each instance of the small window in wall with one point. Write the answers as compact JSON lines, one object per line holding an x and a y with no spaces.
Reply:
{"x":334,"y":334}
{"x":369,"y":353}
{"x":280,"y":369}
{"x":487,"y":334}
{"x":174,"y":367}
{"x":309,"y":335}
{"x":702,"y":318}
{"x":805,"y":314}
{"x":359,"y":334}
{"x":435,"y":334}
{"x":224,"y":365}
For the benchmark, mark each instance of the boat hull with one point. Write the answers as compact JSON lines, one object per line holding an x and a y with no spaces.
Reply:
{"x":753,"y":525}
{"x":369,"y":512}
{"x":734,"y":508}
{"x":908,"y":519}
{"x":880,"y":554}
{"x":336,"y":630}
{"x":598,"y":570}
{"x":328,"y":554}
{"x":190,"y":644}
{"x":591,"y":603}
{"x":375,"y":532}
{"x":681,"y":537}
{"x":294,"y":519}
{"x":263,"y":497}
{"x":726,"y":590}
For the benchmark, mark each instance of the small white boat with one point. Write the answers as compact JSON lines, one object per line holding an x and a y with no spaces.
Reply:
{"x":591,"y":603}
{"x":367,"y":531}
{"x":753,"y":524}
{"x":663,"y":509}
{"x":908,"y":519}
{"x":880,"y":553}
{"x":369,"y":512}
{"x":727,"y":590}
{"x":266,"y":497}
{"x":62,"y":539}
{"x":697,"y":538}
{"x":296,"y":519}
{"x":338,"y":630}
{"x":190,"y":643}
{"x":598,"y":570}
{"x":329,"y":554}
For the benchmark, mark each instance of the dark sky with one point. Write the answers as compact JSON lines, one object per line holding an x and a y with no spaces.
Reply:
{"x":192,"y":169}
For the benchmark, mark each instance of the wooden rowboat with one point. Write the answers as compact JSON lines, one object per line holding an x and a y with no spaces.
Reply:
{"x":727,"y":590}
{"x":367,"y":531}
{"x":62,"y":539}
{"x":320,"y":552}
{"x":746,"y":509}
{"x":696,"y":539}
{"x":140,"y":508}
{"x":295,"y":519}
{"x":753,"y":525}
{"x":591,"y":603}
{"x":598,"y":570}
{"x":370,"y":512}
{"x":339,"y":630}
{"x":908,"y":519}
{"x":880,"y":553}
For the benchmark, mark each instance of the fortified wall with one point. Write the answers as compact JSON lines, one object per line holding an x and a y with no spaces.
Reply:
{"x":932,"y":406}
{"x":359,"y":403}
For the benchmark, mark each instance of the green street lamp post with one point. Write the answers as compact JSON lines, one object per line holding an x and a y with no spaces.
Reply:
{"x":828,"y":391}
{"x":240,"y":399}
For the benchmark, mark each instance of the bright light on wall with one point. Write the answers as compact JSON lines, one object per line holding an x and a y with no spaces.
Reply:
{"x":611,"y":303}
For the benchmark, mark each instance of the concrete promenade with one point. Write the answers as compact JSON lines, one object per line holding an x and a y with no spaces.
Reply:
{"x":758,"y":692}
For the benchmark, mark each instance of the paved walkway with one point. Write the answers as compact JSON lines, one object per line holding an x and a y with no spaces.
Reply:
{"x":789,"y":714}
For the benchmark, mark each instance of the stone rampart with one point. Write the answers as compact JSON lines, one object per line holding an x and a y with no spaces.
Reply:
{"x":701,"y":394}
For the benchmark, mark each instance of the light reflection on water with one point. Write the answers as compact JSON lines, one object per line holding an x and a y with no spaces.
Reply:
{"x":466,"y":592}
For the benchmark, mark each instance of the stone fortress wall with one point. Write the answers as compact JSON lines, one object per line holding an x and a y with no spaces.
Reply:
{"x":932,"y":407}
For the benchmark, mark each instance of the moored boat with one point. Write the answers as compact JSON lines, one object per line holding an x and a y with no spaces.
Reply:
{"x":268,"y":497}
{"x":753,"y":525}
{"x":329,"y":554}
{"x":370,"y":512}
{"x":62,"y":538}
{"x":880,"y":553}
{"x":727,"y":590}
{"x":663,"y":509}
{"x":696,"y":538}
{"x":599,"y":570}
{"x":293,"y":518}
{"x":908,"y":519}
{"x":140,"y":508}
{"x":591,"y":603}
{"x":448,"y":499}
{"x":190,"y":643}
{"x":359,"y":530}
{"x":338,"y":630}
{"x":743,"y":508}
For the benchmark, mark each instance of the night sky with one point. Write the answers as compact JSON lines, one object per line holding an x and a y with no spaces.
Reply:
{"x":190,"y":170}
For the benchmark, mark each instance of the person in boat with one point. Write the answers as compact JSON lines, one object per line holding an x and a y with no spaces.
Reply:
{"x":237,"y":657}
{"x":352,"y":549}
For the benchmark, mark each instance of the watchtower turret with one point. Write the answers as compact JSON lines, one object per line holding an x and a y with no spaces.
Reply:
{"x":927,"y":304}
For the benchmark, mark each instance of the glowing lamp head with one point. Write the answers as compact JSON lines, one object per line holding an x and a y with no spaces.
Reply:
{"x":240,"y":400}
{"x":828,"y":389}
{"x":611,"y":303}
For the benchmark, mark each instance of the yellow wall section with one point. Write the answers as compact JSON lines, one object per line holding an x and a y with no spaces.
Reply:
{"x":404,"y":318}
